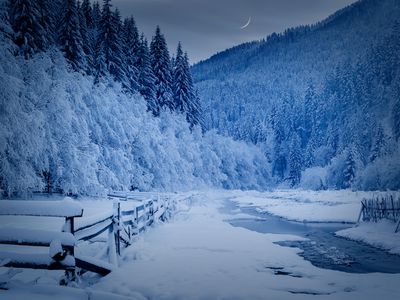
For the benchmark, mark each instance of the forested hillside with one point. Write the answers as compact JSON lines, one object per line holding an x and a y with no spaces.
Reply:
{"x":86,"y":105}
{"x":321,"y":101}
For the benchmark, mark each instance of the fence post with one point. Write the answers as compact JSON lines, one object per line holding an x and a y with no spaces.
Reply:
{"x":397,"y":226}
{"x":361,"y":211}
{"x":117,"y":226}
{"x":70,"y":275}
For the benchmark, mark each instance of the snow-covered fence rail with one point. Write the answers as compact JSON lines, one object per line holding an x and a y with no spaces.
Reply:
{"x":381,"y":207}
{"x":61,"y":244}
{"x":131,"y":214}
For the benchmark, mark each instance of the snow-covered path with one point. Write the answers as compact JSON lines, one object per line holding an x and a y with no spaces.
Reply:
{"x":200,"y":256}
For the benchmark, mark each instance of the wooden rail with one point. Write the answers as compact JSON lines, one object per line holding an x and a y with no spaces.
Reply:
{"x":383,"y":207}
{"x":131,"y":214}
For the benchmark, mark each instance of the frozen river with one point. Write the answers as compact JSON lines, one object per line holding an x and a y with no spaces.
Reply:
{"x":323,"y":248}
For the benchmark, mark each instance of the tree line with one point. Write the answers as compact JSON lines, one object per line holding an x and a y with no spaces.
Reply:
{"x":96,"y":41}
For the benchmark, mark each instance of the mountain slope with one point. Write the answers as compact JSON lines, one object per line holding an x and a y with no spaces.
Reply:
{"x":315,"y":96}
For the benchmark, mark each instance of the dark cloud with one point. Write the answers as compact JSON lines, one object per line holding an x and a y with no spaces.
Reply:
{"x":208,"y":26}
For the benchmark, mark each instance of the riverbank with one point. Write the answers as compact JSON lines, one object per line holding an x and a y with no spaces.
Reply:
{"x":325,"y":207}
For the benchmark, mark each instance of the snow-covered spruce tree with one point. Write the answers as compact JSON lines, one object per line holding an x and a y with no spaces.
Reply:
{"x":161,"y":66}
{"x":84,"y":14}
{"x":91,"y":16}
{"x":25,"y":20}
{"x":70,"y":38}
{"x":350,"y":169}
{"x":194,"y":112}
{"x":5,"y":27}
{"x":182,"y":92}
{"x":131,"y":46}
{"x":396,"y":119}
{"x":109,"y":46}
{"x":146,"y":77}
{"x":96,"y":15}
{"x":295,"y":161}
{"x":47,"y":20}
{"x":87,"y":12}
{"x":379,"y":147}
{"x":185,"y":97}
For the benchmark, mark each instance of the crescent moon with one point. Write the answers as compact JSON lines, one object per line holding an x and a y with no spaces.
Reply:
{"x":247,"y":24}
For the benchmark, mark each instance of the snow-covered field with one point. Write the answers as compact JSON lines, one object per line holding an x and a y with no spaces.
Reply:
{"x":198,"y":255}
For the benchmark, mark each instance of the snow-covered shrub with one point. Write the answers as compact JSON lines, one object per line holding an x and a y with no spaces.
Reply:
{"x":383,"y":173}
{"x":343,"y":169}
{"x":314,"y":178}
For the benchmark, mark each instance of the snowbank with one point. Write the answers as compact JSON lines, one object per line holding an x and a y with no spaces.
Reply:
{"x":307,"y":206}
{"x":379,"y":235}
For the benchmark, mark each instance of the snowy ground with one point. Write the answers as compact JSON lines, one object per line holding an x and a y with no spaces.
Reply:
{"x":198,"y":255}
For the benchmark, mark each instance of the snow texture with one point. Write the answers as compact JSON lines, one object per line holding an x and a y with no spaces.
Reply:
{"x":32,"y":236}
{"x":310,"y":206}
{"x":198,"y":255}
{"x":65,"y":208}
{"x":203,"y":257}
{"x":380,"y":235}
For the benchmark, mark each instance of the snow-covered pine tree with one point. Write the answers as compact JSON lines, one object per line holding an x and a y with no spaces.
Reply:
{"x":87,"y":12}
{"x":84,"y":14}
{"x":349,"y":170}
{"x":5,"y":27}
{"x":396,"y":119}
{"x":25,"y":20}
{"x":161,"y":66}
{"x":70,"y":38}
{"x":46,"y":20}
{"x":110,"y":46}
{"x":90,"y":16}
{"x":131,"y":46}
{"x":96,"y":14}
{"x":182,"y":92}
{"x":194,"y":112}
{"x":146,"y":77}
{"x":295,"y":161}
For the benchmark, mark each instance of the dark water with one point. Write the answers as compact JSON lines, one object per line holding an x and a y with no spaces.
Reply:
{"x":323,"y":249}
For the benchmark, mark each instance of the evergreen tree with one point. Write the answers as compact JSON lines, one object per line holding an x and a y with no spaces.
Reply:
{"x":25,"y":19}
{"x":96,"y":14}
{"x":349,"y":170}
{"x":295,"y":161}
{"x":161,"y":66}
{"x":109,"y":47}
{"x":193,"y":112}
{"x":91,"y":16}
{"x":182,"y":92}
{"x":83,"y":10}
{"x":379,"y":147}
{"x":46,"y":20}
{"x":87,"y":13}
{"x":396,"y":119}
{"x":131,"y":49}
{"x":146,"y":78}
{"x":70,"y":36}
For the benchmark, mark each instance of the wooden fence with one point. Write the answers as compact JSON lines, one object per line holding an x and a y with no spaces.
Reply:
{"x":381,"y":207}
{"x":131,"y":214}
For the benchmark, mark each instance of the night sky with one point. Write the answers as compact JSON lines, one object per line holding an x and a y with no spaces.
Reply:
{"x":207,"y":26}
